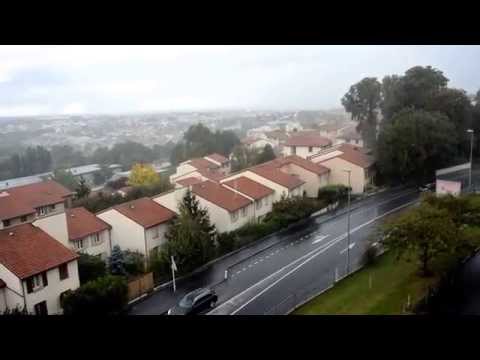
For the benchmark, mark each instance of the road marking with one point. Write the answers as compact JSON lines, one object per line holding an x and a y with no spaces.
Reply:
{"x":272,"y":254}
{"x":244,"y":269}
{"x":350,"y":247}
{"x":249,"y":265}
{"x":238,"y":272}
{"x":255,"y":263}
{"x":261,"y":260}
{"x":321,"y":238}
{"x":317,"y":250}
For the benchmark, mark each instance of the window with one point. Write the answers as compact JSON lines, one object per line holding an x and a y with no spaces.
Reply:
{"x":41,"y":308}
{"x":6,"y":223}
{"x":234,"y":216}
{"x":259,"y":204}
{"x":155,"y":233}
{"x":41,"y":210}
{"x":294,"y":150}
{"x":244,"y":211}
{"x":63,"y":271}
{"x":310,"y":148}
{"x":79,"y":244}
{"x":23,"y":219}
{"x":266,"y":200}
{"x":52,"y":207}
{"x":36,"y":282}
{"x":96,"y":239}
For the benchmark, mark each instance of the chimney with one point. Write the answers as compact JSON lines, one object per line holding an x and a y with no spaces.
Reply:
{"x":11,"y":234}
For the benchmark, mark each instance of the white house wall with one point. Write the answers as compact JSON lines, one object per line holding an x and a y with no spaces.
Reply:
{"x":266,"y":203}
{"x":302,"y":151}
{"x":17,"y":221}
{"x":55,"y":226}
{"x":51,"y":292}
{"x":125,"y":232}
{"x":13,"y":291}
{"x":313,"y":181}
{"x":152,"y":242}
{"x":102,"y":249}
{"x":172,"y":199}
{"x":338,"y":176}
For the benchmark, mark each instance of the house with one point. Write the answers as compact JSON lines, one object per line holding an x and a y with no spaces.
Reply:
{"x":331,"y":130}
{"x":79,"y":230}
{"x":305,"y":145}
{"x":260,"y":195}
{"x":228,"y":210}
{"x":35,"y":270}
{"x":348,"y":157}
{"x":277,"y":136}
{"x":269,"y":175}
{"x":313,"y":175}
{"x":26,"y":203}
{"x":201,"y":167}
{"x":138,"y":225}
{"x":350,"y":136}
{"x":221,"y":161}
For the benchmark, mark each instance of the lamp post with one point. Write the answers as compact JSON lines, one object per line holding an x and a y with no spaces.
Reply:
{"x":471,"y":153}
{"x":348,"y":220}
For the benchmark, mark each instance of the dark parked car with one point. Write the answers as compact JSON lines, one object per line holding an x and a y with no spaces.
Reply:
{"x":195,"y":302}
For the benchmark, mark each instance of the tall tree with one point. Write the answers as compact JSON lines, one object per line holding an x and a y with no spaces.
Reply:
{"x":65,"y":178}
{"x":267,"y":154}
{"x":116,"y":262}
{"x":82,"y":189}
{"x":143,"y":175}
{"x":190,"y":239}
{"x":362,"y":101}
{"x":414,"y":144}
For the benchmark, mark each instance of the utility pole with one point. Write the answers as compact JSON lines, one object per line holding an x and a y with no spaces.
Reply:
{"x":471,"y":156}
{"x":348,"y":220}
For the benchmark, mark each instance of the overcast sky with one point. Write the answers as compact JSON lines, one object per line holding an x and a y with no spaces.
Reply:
{"x":43,"y":80}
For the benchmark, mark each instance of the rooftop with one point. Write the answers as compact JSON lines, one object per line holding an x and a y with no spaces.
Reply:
{"x":351,"y":153}
{"x":308,"y":140}
{"x":26,"y":250}
{"x":81,"y":223}
{"x":218,"y":158}
{"x":23,"y":200}
{"x":189,"y":181}
{"x":249,"y":187}
{"x":201,"y":163}
{"x":220,"y":195}
{"x":145,"y":212}
{"x":306,"y":164}
{"x":270,"y":172}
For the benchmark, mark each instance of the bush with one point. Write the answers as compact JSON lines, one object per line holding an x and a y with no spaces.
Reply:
{"x":134,"y":262}
{"x":107,"y":295}
{"x":116,"y":262}
{"x":90,"y":268}
{"x":333,"y":193}
{"x":370,"y":255}
{"x":226,"y":242}
{"x":159,"y":265}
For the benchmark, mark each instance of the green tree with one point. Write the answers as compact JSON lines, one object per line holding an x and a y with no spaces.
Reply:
{"x":107,"y":295}
{"x":82,"y":189}
{"x":362,"y":101}
{"x":90,"y":268}
{"x":190,"y":238}
{"x":65,"y":156}
{"x":66,"y":179}
{"x":243,"y":157}
{"x":116,"y":262}
{"x":267,"y":154}
{"x":414,"y":144}
{"x":425,"y":233}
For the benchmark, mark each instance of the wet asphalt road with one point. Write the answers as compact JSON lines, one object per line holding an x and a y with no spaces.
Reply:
{"x":317,"y":237}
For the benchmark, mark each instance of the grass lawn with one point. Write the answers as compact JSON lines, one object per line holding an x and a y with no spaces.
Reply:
{"x":392,"y":282}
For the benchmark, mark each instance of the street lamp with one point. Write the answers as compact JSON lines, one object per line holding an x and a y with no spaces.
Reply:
{"x":471,"y":153}
{"x":348,"y":220}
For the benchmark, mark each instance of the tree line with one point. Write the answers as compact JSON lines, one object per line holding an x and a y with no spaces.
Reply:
{"x":414,"y":123}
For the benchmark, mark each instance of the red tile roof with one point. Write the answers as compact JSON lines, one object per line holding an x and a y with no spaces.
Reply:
{"x":201,"y":163}
{"x":81,"y":223}
{"x":22,"y":200}
{"x":220,"y":195}
{"x":308,"y":140}
{"x":189,"y":181}
{"x":218,"y":158}
{"x":356,"y":155}
{"x":26,"y":250}
{"x":145,"y":212}
{"x":306,"y":164}
{"x":211,"y":174}
{"x":249,"y":187}
{"x":277,"y":135}
{"x":272,"y":173}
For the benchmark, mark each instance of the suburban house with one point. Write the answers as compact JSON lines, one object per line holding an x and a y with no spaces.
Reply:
{"x":260,"y":195}
{"x":348,"y":157}
{"x":26,"y":203}
{"x":35,"y":270}
{"x":277,"y":136}
{"x":269,"y":175}
{"x":305,"y":145}
{"x":221,"y":161}
{"x":228,"y":210}
{"x":314,"y":175}
{"x":350,"y":136}
{"x":202,"y":168}
{"x":79,"y":230}
{"x":138,"y":225}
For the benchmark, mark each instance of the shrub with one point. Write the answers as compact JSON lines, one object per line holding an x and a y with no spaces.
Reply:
{"x":134,"y":262}
{"x":370,"y":255}
{"x":116,"y":262}
{"x":333,"y":193}
{"x":90,"y":268}
{"x":226,"y":242}
{"x":107,"y":295}
{"x":159,"y":265}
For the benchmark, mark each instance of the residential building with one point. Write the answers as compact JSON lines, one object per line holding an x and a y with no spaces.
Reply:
{"x":221,"y":161}
{"x":138,"y":225}
{"x":228,"y":210}
{"x":260,"y":195}
{"x":348,"y":157}
{"x":26,"y":203}
{"x":305,"y":145}
{"x":79,"y":230}
{"x":201,"y":167}
{"x":36,"y":270}
{"x":350,"y":136}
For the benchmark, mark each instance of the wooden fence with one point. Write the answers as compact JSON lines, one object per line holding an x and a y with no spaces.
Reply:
{"x":139,"y":286}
